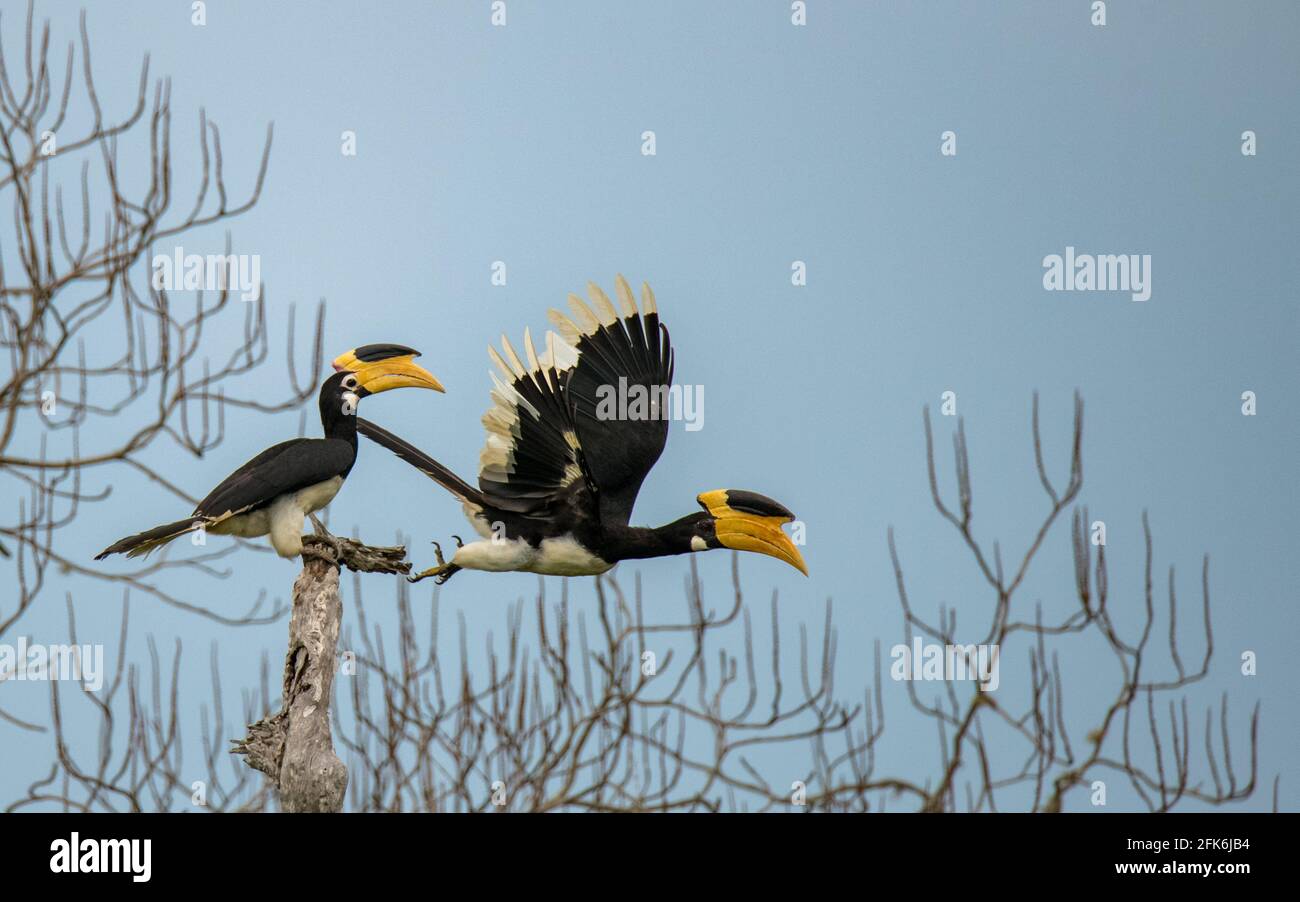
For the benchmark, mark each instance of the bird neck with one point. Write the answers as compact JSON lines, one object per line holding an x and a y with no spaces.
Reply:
{"x":336,"y":423}
{"x":639,"y":542}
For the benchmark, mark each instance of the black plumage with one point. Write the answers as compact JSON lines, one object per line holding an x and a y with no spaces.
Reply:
{"x":292,"y":465}
{"x":566,"y":457}
{"x":271,"y":493}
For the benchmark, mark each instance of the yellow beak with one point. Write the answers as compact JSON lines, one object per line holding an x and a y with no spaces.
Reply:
{"x":750,"y":532}
{"x":391,"y":372}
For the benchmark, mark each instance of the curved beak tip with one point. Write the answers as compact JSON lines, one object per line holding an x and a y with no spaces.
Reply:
{"x":761,"y":535}
{"x":796,"y":560}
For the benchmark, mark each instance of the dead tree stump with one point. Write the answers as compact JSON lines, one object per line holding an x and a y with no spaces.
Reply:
{"x":294,"y":747}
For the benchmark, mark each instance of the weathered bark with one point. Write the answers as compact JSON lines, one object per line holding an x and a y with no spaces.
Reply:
{"x":294,"y":746}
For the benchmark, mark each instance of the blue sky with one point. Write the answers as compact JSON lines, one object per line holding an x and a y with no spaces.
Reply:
{"x":774,"y":144}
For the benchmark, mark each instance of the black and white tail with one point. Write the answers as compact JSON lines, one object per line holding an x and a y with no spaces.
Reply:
{"x":144,"y":542}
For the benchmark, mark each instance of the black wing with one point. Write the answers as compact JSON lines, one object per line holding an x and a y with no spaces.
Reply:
{"x":611,"y":347}
{"x":286,"y":467}
{"x":532,"y":458}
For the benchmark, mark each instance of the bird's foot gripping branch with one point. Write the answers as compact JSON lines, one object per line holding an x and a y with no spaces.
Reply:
{"x":294,"y":746}
{"x":356,"y":556}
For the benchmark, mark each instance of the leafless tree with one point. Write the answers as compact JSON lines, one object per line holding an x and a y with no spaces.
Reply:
{"x":599,"y":706}
{"x":1161,"y":773}
{"x":105,"y":371}
{"x":137,"y":762}
{"x":601,"y":713}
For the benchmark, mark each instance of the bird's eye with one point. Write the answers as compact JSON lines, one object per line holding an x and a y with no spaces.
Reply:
{"x":350,"y":382}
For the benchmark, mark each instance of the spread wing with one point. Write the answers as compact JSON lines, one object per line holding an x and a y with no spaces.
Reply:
{"x":622,"y":355}
{"x":532,"y":457}
{"x":556,"y":429}
{"x":286,"y":467}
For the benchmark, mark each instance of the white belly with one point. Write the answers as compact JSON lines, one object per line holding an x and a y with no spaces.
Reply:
{"x":314,"y":497}
{"x":283,"y":518}
{"x":555,"y":557}
{"x":246,"y":526}
{"x":497,"y":557}
{"x":565,"y":557}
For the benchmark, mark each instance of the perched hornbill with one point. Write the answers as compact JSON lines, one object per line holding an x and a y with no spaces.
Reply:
{"x":559,"y":475}
{"x":274,"y":491}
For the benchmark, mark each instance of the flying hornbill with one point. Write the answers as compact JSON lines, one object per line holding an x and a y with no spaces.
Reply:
{"x":561,"y":470}
{"x":274,"y":491}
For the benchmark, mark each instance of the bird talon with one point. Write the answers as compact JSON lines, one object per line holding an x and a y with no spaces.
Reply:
{"x":460,"y":543}
{"x":424,"y":574}
{"x":440,"y":573}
